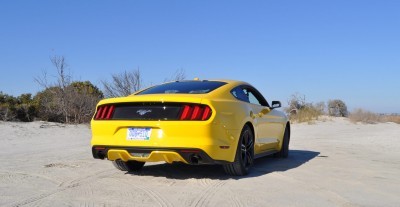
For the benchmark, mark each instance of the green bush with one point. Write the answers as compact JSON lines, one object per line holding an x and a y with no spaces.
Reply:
{"x":74,"y":104}
{"x":48,"y":105}
{"x":21,"y":108}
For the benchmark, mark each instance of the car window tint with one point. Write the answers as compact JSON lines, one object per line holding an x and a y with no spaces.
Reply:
{"x":239,"y":93}
{"x":249,"y":94}
{"x":190,"y":87}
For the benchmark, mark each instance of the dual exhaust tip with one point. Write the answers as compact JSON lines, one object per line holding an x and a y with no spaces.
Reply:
{"x":195,"y":159}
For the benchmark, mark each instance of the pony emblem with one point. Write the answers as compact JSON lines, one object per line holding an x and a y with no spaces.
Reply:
{"x":142,"y":112}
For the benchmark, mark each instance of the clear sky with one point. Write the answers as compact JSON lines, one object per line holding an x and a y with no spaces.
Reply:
{"x":345,"y":49}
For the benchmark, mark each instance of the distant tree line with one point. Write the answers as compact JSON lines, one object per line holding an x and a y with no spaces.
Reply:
{"x":21,"y":108}
{"x":66,"y":100}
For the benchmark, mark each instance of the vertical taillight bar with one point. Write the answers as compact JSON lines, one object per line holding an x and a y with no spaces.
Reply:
{"x":110,"y":111}
{"x":195,"y":113}
{"x":98,"y":114}
{"x":103,"y":113}
{"x":185,"y":112}
{"x":206,"y":113}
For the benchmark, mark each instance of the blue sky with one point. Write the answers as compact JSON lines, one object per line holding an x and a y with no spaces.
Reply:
{"x":347,"y":49}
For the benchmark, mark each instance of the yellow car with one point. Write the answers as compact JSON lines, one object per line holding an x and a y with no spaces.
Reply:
{"x":195,"y":122}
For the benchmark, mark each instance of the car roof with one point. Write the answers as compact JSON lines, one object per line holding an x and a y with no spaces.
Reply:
{"x":228,"y":81}
{"x":230,"y":84}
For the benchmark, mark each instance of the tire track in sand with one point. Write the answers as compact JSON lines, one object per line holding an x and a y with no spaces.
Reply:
{"x":161,"y":201}
{"x":15,"y":177}
{"x":154,"y":195}
{"x":204,"y":181}
{"x":235,"y":202}
{"x":208,"y":193}
{"x":65,"y":186}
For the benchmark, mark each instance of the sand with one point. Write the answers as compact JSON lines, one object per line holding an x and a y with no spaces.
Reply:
{"x":331,"y":163}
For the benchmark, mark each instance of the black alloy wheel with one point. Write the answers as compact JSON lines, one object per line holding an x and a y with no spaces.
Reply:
{"x":244,"y":158}
{"x":284,"y":152}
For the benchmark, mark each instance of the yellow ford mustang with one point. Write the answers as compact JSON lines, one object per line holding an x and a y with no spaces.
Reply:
{"x":195,"y":122}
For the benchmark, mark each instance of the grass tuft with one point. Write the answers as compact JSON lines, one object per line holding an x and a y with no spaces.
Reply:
{"x":364,"y":116}
{"x":306,"y":114}
{"x":392,"y":118}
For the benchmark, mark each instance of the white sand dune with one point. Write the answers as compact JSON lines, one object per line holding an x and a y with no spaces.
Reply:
{"x":331,"y":163}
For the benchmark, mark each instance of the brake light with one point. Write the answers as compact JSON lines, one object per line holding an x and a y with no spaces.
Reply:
{"x":185,"y":112}
{"x":206,"y":113}
{"x":195,"y":112}
{"x":104,"y":112}
{"x":110,"y":111}
{"x":98,"y":115}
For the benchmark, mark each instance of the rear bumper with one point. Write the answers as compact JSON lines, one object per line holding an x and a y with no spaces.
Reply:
{"x":210,"y":137}
{"x":144,"y":154}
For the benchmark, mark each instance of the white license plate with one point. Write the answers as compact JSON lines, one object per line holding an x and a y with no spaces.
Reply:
{"x":138,"y":134}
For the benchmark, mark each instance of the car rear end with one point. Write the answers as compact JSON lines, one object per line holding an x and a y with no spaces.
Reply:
{"x":167,"y":127}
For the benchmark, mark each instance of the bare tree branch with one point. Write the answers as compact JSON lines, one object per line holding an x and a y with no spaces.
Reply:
{"x":123,"y":84}
{"x":63,"y":75}
{"x":42,"y":79}
{"x":64,"y":100}
{"x":179,"y":75}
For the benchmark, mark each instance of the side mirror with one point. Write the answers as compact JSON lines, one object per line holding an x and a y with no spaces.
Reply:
{"x":276,"y":104}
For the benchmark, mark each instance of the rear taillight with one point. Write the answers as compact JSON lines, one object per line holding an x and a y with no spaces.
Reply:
{"x":104,"y":112}
{"x":195,"y":112}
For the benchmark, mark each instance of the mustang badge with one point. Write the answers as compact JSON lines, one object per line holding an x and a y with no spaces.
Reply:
{"x":142,"y":112}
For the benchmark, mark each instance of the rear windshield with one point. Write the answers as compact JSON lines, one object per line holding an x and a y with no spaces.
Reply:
{"x":191,"y":87}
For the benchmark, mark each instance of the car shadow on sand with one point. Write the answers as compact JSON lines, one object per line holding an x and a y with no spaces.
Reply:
{"x":262,"y":166}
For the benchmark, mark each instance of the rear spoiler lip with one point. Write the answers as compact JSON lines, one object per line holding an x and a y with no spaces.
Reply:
{"x":156,"y":98}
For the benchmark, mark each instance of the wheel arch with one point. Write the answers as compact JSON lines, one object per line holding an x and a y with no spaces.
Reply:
{"x":252,"y":129}
{"x":288,"y":128}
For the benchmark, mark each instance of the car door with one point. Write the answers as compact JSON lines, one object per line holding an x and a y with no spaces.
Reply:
{"x":267,"y":123}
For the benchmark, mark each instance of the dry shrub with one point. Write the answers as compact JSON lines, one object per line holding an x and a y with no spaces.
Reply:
{"x":337,"y":108}
{"x":364,"y":116}
{"x":75,"y":103}
{"x":65,"y":100}
{"x":306,"y":114}
{"x":301,"y":111}
{"x":392,"y":118}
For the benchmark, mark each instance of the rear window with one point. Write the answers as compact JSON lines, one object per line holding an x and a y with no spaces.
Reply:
{"x":191,"y":87}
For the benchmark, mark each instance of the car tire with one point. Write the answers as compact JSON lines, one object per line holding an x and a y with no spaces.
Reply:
{"x":284,"y":152}
{"x":130,"y":166}
{"x":244,"y":157}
